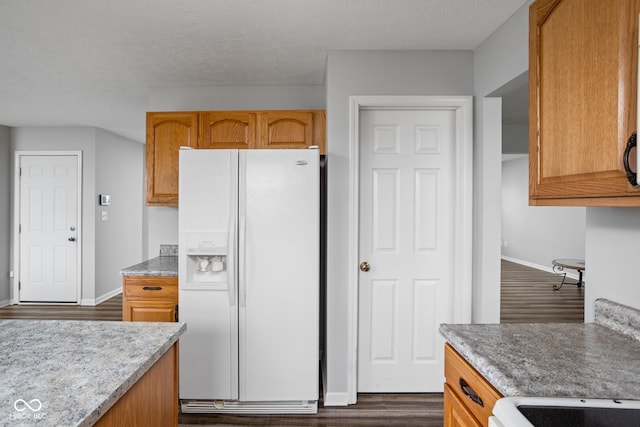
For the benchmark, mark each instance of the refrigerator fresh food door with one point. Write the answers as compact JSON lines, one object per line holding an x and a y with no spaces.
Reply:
{"x":279,"y":274}
{"x":207,"y":274}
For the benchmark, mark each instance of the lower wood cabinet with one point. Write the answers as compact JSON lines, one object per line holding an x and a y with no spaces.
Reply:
{"x":468,"y":397}
{"x":152,"y":401}
{"x":150,"y":298}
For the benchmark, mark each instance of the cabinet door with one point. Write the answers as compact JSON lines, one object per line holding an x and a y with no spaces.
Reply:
{"x":455,"y":413}
{"x":166,"y":133}
{"x":286,"y":129}
{"x":149,"y":311}
{"x":582,"y":83}
{"x":227,"y":129}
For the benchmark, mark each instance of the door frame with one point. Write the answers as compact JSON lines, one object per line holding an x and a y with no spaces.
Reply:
{"x":15,"y":297}
{"x":463,"y":205}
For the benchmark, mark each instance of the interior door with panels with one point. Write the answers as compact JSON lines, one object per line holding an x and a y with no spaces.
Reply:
{"x":406,"y":234}
{"x":48,"y":228}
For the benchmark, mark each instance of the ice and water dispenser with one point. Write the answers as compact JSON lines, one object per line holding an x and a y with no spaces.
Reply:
{"x":207,"y":257}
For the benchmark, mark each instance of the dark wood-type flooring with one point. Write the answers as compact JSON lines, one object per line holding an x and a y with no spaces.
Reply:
{"x":527,"y":296}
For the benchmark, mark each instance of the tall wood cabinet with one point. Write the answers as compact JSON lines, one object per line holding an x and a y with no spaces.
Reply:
{"x":168,"y":131}
{"x":583,"y":66}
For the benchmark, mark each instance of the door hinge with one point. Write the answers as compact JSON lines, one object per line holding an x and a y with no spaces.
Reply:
{"x":175,"y":315}
{"x":19,"y":285}
{"x":20,"y":171}
{"x":19,"y":228}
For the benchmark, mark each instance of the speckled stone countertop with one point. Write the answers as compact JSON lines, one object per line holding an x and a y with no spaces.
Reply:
{"x":594,"y":360}
{"x":68,"y":373}
{"x":164,"y":265}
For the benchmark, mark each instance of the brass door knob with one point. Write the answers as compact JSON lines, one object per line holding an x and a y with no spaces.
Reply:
{"x":364,"y":266}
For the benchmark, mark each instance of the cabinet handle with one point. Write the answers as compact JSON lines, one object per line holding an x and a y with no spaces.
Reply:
{"x":152,"y":288}
{"x":470,"y":393}
{"x":631,"y":176}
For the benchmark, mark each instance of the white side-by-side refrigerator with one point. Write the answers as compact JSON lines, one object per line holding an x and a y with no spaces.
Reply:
{"x":249,"y":227}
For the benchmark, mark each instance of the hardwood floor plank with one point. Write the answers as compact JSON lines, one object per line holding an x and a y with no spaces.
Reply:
{"x":527,"y":296}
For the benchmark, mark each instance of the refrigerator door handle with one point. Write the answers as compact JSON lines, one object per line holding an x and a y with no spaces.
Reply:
{"x":242,"y":254}
{"x":231,"y":261}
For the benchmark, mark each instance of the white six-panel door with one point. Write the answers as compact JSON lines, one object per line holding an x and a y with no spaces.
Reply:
{"x":48,"y":233}
{"x":406,"y":239}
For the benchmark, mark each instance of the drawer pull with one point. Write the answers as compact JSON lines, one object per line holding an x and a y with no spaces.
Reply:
{"x":631,"y":175}
{"x":470,"y":393}
{"x":152,"y":288}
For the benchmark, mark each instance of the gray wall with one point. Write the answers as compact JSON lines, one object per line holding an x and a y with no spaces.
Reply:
{"x":76,"y":139}
{"x":501,"y":58}
{"x":163,"y":221}
{"x":611,"y":257}
{"x":515,"y":139}
{"x":119,"y":173}
{"x":85,"y":139}
{"x":536,"y":235}
{"x":5,"y":214}
{"x":368,"y":73}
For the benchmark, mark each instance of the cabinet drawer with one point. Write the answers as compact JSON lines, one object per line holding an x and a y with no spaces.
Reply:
{"x":471,"y":387}
{"x":151,"y":287}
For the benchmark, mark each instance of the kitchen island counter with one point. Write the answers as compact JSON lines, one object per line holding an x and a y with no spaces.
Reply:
{"x":595,"y":360}
{"x":61,"y":372}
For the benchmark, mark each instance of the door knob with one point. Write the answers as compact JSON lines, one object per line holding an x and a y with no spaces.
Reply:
{"x":72,"y":239}
{"x":364,"y":266}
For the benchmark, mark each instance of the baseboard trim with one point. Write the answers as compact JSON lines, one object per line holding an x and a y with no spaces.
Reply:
{"x":102,"y":298}
{"x":336,"y":399}
{"x":548,"y":269}
{"x":331,"y":398}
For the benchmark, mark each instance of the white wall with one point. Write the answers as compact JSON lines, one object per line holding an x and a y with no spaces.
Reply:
{"x":162,"y":221}
{"x":536,"y":235}
{"x":368,"y":73}
{"x":85,"y":139}
{"x":502,"y":57}
{"x":119,"y":173}
{"x":5,"y":215}
{"x":611,"y":257}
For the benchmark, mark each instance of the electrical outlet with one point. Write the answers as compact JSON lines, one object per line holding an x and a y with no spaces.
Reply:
{"x":104,"y":215}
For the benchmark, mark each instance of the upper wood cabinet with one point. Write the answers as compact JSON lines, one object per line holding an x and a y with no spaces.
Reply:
{"x":166,"y":133}
{"x":227,"y":129}
{"x":582,"y":101}
{"x":286,"y":129}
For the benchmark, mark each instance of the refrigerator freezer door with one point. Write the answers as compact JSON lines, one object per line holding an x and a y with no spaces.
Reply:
{"x":208,"y":206}
{"x":279,"y":311}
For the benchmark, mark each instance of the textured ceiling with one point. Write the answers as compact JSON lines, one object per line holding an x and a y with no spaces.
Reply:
{"x":92,"y":62}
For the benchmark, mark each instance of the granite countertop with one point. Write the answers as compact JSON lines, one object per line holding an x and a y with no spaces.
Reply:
{"x":594,"y":360}
{"x":158,"y":266}
{"x":164,"y":265}
{"x":71,"y":372}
